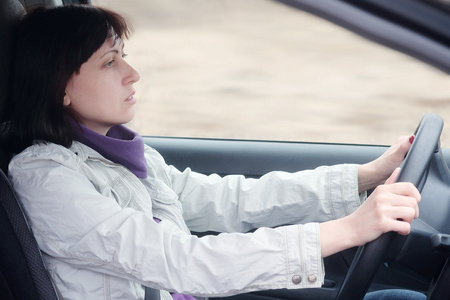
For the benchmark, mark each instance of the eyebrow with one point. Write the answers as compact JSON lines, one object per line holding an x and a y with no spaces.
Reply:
{"x":113,"y":51}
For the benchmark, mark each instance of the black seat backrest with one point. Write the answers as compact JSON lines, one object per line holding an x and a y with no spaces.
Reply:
{"x":23,"y":274}
{"x":10,"y":12}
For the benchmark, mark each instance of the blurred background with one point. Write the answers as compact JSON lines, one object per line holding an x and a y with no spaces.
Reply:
{"x":257,"y":69}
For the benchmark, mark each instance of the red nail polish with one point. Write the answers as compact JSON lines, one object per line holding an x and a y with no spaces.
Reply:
{"x":411,"y":139}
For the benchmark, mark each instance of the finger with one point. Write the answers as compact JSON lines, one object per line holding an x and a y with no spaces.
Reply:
{"x":405,"y":142}
{"x":397,"y":225}
{"x":409,"y":203}
{"x":405,"y":214}
{"x":400,"y":189}
{"x":407,"y":146}
{"x":402,"y":201}
{"x":393,"y":176}
{"x":401,"y":147}
{"x":402,"y":228}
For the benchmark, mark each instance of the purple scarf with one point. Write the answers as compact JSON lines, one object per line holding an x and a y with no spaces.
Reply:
{"x":122,"y":146}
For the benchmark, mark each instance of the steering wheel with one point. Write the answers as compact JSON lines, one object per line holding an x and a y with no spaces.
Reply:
{"x":414,"y":169}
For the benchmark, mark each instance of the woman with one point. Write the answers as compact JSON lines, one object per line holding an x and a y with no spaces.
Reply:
{"x":110,"y":216}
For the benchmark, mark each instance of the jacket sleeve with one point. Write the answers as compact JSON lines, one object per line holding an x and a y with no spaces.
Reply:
{"x":78,"y":226}
{"x":234,"y":203}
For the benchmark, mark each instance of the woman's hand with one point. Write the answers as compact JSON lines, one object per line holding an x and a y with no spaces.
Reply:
{"x":376,"y":172}
{"x":391,"y":207}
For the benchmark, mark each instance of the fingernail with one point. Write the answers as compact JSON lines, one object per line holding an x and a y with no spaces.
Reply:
{"x":411,"y":139}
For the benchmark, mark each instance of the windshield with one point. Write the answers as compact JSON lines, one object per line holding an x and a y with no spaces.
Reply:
{"x":257,"y":69}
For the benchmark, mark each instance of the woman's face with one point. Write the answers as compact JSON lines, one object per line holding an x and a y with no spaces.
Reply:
{"x":102,"y":93}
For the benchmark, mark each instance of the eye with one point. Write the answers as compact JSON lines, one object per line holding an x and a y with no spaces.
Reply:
{"x":110,"y":63}
{"x":124,"y":55}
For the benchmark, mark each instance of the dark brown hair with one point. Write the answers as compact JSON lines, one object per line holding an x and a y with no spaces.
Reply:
{"x":52,"y":44}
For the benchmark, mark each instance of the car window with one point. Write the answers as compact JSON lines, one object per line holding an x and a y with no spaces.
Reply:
{"x":257,"y":69}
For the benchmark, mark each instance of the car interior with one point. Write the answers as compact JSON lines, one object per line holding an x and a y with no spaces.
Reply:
{"x":419,"y":262}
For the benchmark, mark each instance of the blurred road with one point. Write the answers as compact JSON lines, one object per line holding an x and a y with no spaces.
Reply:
{"x":260,"y":70}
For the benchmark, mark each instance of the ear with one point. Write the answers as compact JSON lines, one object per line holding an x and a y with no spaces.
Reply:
{"x":66,"y":99}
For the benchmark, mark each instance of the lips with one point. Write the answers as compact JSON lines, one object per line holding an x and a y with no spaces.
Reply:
{"x":130,"y":98}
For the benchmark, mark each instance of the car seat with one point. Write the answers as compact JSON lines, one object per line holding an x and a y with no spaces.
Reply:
{"x":23,"y":274}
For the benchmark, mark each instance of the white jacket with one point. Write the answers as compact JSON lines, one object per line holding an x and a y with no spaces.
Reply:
{"x":93,"y":220}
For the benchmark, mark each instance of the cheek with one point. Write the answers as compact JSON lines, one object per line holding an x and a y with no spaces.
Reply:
{"x":83,"y":92}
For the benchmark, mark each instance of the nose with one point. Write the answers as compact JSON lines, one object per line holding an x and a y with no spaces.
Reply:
{"x":132,"y":76}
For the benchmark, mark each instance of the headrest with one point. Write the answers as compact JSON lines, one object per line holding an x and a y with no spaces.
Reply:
{"x":10,"y":13}
{"x":31,"y":4}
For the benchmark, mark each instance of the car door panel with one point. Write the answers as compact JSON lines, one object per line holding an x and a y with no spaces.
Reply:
{"x":255,"y":158}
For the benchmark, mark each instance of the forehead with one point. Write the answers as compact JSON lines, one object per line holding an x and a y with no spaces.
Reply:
{"x":111,"y":44}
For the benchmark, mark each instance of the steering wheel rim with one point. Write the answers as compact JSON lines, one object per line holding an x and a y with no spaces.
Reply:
{"x":369,"y":257}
